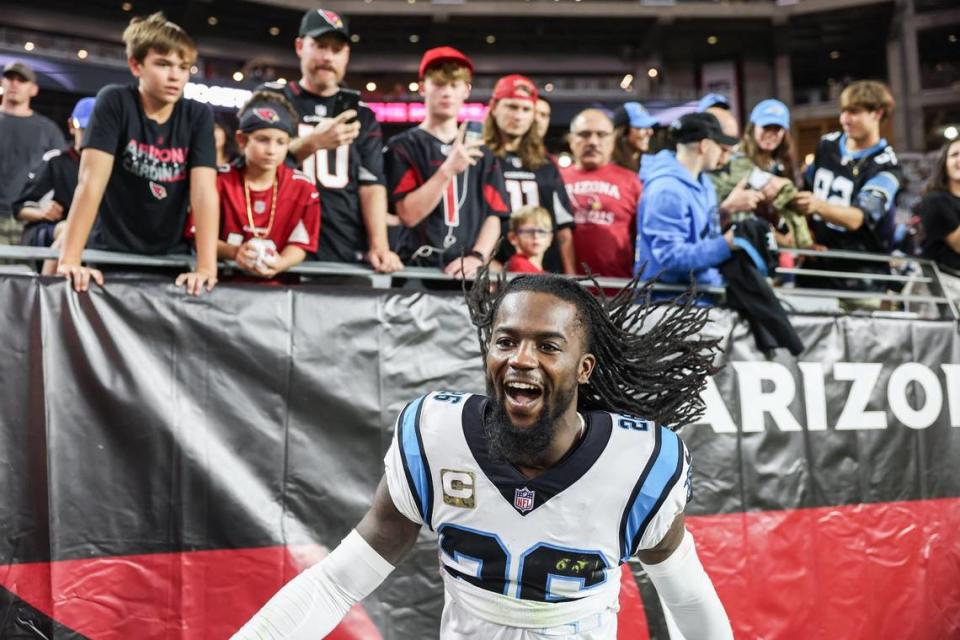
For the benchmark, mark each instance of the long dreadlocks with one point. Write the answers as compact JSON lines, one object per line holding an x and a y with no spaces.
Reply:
{"x":656,"y":372}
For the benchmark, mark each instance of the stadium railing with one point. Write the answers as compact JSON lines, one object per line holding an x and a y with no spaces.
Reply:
{"x":921,"y":291}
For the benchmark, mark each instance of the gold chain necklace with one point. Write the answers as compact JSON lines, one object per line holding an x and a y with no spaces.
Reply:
{"x":273,"y":208}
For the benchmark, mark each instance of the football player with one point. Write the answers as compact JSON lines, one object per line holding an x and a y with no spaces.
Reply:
{"x":539,"y":490}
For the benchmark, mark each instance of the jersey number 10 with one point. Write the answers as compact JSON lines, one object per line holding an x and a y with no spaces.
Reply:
{"x":317,"y":167}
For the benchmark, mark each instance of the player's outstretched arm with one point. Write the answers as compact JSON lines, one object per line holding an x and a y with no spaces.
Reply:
{"x":313,"y":603}
{"x":676,"y":572}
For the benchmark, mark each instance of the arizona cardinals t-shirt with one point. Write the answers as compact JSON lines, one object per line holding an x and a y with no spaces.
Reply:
{"x":144,"y":207}
{"x":605,"y":210}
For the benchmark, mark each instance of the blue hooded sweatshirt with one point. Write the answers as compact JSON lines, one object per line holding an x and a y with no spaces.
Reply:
{"x":678,"y":229}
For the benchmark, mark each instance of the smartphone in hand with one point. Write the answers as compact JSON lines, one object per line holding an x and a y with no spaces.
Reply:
{"x":346,"y":99}
{"x":473,"y":131}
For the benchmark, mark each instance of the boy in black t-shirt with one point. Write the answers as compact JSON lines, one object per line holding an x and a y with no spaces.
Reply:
{"x":449,"y":192}
{"x":147,"y":155}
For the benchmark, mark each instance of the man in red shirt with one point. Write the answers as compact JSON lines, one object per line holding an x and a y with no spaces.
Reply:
{"x":604,"y":198}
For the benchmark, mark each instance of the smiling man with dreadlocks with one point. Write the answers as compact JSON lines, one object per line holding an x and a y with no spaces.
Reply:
{"x":538,"y":491}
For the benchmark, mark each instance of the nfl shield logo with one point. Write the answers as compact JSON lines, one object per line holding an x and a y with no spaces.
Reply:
{"x":523,"y":499}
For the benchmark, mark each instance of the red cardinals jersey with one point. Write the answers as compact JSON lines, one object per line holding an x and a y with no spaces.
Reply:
{"x":297,"y":219}
{"x":605,"y":211}
{"x":519,"y":263}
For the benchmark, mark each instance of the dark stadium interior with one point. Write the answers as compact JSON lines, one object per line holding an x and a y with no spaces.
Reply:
{"x":584,"y":51}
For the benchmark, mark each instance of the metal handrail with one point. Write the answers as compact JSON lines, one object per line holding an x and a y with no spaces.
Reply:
{"x":24,"y":253}
{"x":821,"y":273}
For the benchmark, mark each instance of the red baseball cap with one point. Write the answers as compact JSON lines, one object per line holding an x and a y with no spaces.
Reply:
{"x":514,"y":86}
{"x":439,"y":55}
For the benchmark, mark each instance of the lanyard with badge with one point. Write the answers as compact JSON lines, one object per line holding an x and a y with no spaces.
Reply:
{"x":473,"y":131}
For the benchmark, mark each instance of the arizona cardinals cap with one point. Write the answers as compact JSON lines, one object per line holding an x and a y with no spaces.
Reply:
{"x":266,"y":115}
{"x":515,"y":87}
{"x":318,"y":22}
{"x":439,"y":55}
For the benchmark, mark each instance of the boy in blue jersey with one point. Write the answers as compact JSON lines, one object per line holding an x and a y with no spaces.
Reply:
{"x":541,"y":489}
{"x":851,"y":189}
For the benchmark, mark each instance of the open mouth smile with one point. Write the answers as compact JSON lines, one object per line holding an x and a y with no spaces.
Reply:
{"x":522,"y":396}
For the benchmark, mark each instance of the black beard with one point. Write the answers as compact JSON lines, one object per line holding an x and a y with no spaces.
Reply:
{"x":522,"y":447}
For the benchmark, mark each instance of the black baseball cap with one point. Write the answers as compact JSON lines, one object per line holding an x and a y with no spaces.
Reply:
{"x":20,"y":69}
{"x":318,"y":22}
{"x":695,"y":127}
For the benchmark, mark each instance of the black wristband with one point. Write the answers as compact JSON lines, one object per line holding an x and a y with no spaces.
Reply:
{"x":475,"y":254}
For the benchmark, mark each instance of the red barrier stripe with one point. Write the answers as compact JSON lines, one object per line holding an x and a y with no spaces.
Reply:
{"x":632,"y":619}
{"x":197,"y":595}
{"x":887,"y":570}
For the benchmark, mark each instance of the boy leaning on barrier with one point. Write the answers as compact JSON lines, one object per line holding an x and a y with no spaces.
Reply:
{"x":148,"y":154}
{"x":270,"y":213}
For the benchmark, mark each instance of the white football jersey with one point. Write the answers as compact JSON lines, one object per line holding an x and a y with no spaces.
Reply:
{"x":543,"y":552}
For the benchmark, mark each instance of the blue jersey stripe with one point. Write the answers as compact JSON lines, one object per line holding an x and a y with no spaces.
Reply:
{"x":659,"y":481}
{"x":884,"y":182}
{"x":414,"y":459}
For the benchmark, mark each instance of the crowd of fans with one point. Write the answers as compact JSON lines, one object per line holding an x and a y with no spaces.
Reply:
{"x":308,"y":176}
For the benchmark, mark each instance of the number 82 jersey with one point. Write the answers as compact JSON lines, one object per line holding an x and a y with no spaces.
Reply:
{"x":537,"y":552}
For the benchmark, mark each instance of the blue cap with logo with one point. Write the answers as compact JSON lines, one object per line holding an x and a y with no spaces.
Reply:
{"x":81,"y":112}
{"x":770,"y":112}
{"x":712,"y":100}
{"x":633,"y":114}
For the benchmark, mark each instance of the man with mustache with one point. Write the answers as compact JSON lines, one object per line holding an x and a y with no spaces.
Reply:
{"x":342,"y":152}
{"x":604,"y":198}
{"x":540,"y":490}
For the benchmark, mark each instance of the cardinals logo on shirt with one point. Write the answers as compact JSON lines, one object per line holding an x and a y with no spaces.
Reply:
{"x":158,"y":190}
{"x":266,"y":114}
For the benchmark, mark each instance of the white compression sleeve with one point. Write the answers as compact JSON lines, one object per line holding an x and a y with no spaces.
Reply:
{"x":687,"y":591}
{"x":312,"y":604}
